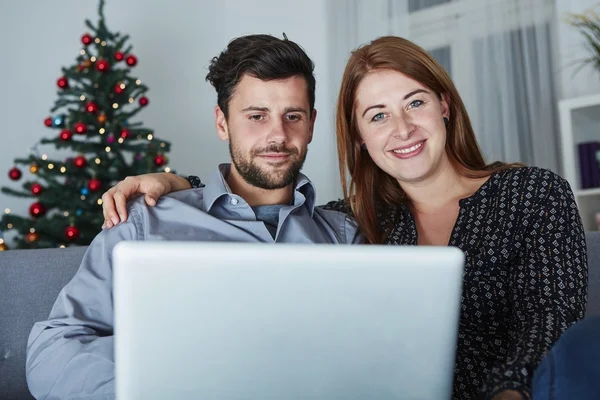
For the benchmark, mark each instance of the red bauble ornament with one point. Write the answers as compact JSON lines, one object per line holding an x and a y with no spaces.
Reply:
{"x":125,"y":133}
{"x":80,"y":161}
{"x":37,"y":210}
{"x":15,"y":174}
{"x":48,"y":122}
{"x":131,"y":60}
{"x":160,"y":160}
{"x":66,"y":135}
{"x":119,"y":56}
{"x":119,"y":89}
{"x":94,"y":184}
{"x":71,"y":233}
{"x":91,"y":107}
{"x":36,"y":188}
{"x":62,"y":83}
{"x":80,"y":128}
{"x":102,"y":65}
{"x":32,"y":237}
{"x":144,"y":101}
{"x":87,"y":39}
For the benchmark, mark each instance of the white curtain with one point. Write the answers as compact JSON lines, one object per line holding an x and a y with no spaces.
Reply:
{"x":498,"y":52}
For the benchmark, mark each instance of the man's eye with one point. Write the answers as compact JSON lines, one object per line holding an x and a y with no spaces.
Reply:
{"x":256,"y":117}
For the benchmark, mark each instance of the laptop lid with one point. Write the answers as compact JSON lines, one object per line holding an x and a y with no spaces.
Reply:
{"x":285,"y":321}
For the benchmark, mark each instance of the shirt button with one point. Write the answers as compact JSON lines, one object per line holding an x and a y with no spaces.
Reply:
{"x":234,"y":201}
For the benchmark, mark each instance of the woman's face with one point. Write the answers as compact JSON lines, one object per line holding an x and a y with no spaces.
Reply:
{"x":401,"y":123}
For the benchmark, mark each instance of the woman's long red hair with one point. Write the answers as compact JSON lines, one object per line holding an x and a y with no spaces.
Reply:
{"x":369,"y":187}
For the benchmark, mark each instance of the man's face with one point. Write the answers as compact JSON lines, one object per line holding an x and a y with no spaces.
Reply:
{"x":268,"y":128}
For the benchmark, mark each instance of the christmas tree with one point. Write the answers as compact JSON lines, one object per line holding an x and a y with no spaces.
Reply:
{"x":90,"y":121}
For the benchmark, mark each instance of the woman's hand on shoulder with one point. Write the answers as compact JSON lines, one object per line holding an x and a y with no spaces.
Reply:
{"x":154,"y":185}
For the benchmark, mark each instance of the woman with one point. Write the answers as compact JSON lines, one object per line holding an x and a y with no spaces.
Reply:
{"x":417,"y":177}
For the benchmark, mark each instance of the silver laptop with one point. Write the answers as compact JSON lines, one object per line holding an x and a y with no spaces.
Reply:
{"x":287,"y":321}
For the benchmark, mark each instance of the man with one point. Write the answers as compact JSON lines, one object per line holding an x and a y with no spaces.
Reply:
{"x":265,"y":93}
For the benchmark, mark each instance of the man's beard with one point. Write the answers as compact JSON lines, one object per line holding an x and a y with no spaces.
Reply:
{"x":261,"y":177}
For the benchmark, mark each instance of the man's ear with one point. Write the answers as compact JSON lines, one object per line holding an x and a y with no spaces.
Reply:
{"x":313,"y":117}
{"x":221,"y":124}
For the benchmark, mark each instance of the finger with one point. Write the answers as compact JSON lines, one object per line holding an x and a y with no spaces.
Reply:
{"x":150,"y":200}
{"x":121,"y":205}
{"x":108,"y":204}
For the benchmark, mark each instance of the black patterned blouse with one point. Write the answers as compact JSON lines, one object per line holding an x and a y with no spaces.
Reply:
{"x":525,"y":278}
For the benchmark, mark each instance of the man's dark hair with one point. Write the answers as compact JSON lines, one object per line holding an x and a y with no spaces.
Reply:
{"x":261,"y":56}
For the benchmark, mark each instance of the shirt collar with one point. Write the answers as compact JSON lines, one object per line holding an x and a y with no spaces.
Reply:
{"x":217,"y":187}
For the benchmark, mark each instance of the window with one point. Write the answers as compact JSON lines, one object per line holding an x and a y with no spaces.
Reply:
{"x":418,"y":5}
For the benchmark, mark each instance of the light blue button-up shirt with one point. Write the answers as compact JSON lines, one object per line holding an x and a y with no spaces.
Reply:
{"x":70,"y":356}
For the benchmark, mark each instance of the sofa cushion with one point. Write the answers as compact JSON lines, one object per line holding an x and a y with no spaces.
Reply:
{"x":29,"y":284}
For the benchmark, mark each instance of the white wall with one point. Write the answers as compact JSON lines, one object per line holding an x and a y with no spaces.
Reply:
{"x":571,"y":48}
{"x":174,"y":42}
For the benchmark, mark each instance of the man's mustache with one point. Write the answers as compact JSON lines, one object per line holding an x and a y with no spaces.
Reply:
{"x":275,"y":148}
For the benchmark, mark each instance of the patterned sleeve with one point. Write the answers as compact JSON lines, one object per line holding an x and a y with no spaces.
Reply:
{"x":548,"y":282}
{"x":195,"y":182}
{"x":338,"y":205}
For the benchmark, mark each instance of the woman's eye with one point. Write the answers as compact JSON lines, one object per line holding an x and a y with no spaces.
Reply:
{"x":378,"y":117}
{"x":415,"y":103}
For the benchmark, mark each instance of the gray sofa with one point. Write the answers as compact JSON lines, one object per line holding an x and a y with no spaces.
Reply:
{"x":31,"y":279}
